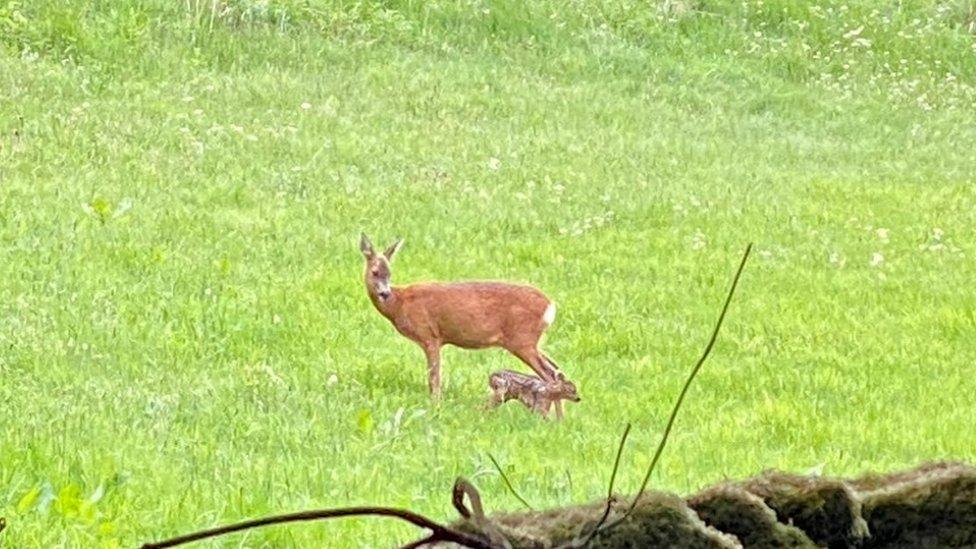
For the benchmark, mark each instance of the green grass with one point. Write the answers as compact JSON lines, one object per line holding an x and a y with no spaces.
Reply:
{"x":182,"y":191}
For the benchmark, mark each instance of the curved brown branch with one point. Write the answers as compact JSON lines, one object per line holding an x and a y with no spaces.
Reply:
{"x":477,"y":513}
{"x":420,"y":542}
{"x":438,"y":532}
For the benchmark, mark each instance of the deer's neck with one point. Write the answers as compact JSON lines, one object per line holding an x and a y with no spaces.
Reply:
{"x":387,"y":307}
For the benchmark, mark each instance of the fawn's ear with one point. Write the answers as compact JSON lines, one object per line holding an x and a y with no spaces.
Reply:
{"x":366,"y":246}
{"x":394,"y":248}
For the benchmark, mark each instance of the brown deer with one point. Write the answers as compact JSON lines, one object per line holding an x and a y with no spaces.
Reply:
{"x":536,"y":394}
{"x":470,"y":315}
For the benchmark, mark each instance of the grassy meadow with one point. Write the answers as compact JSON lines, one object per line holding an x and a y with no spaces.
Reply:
{"x":185,"y":339}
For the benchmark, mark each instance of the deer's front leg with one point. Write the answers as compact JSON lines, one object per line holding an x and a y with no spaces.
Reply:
{"x":433,"y":352}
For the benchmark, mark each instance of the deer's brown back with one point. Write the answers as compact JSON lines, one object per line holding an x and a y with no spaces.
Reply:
{"x":473,"y":314}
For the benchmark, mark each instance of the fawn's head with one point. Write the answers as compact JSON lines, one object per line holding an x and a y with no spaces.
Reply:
{"x":378,"y":267}
{"x":565,"y":388}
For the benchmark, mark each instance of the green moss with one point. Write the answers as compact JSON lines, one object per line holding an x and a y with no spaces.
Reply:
{"x":932,"y":508}
{"x":933,"y":505}
{"x":659,"y":520}
{"x":827,"y":510}
{"x":730,"y":509}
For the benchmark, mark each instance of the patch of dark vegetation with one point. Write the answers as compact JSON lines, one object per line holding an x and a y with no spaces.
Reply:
{"x":733,"y":510}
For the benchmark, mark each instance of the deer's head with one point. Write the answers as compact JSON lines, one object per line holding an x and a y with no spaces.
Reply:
{"x":378,"y":267}
{"x":565,"y":388}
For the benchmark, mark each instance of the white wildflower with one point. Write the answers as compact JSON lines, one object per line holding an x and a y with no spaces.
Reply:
{"x":837,"y":259}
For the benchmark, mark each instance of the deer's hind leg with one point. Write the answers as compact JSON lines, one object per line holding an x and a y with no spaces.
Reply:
{"x":534,"y":359}
{"x":543,"y":366}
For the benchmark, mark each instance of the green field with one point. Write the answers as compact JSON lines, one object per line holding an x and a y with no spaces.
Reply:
{"x":185,"y":339}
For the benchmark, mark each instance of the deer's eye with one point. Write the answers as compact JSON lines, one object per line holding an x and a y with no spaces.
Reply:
{"x":376,"y":273}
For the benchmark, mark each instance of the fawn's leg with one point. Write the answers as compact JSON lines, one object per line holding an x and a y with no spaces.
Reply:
{"x":542,"y":406}
{"x":559,"y":408}
{"x":433,"y":352}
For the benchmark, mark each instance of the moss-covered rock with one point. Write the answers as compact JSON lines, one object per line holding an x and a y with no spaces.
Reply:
{"x":870,"y":482}
{"x":659,"y":520}
{"x":933,"y":505}
{"x":733,"y":510}
{"x":827,"y":510}
{"x":928,"y":507}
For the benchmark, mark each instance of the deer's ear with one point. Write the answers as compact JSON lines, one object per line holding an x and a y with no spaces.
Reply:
{"x":366,"y":246}
{"x":393,"y":249}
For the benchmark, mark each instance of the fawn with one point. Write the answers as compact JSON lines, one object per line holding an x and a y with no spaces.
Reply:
{"x":470,"y":315}
{"x":538,"y":395}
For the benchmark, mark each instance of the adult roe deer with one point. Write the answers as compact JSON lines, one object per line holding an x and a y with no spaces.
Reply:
{"x":470,"y":315}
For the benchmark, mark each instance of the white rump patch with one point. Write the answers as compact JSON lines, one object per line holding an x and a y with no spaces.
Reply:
{"x":549,"y":315}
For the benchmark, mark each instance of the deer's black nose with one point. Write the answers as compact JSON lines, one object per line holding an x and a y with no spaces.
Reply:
{"x":384,"y":295}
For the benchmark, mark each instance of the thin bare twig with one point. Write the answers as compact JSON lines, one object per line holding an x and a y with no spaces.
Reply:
{"x":3,"y":524}
{"x":507,"y":483}
{"x":438,"y":532}
{"x":681,"y":397}
{"x":616,"y":464}
{"x":583,"y":542}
